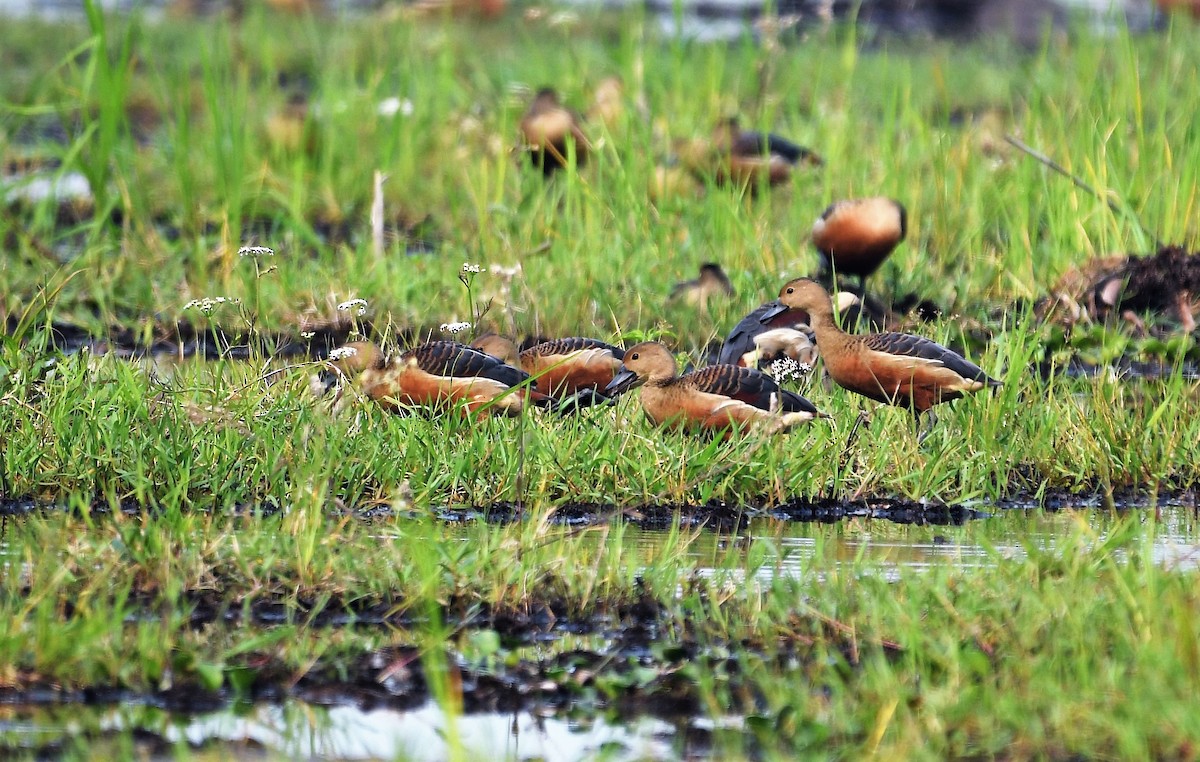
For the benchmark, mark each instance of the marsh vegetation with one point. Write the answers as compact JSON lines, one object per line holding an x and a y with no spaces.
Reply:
{"x":186,"y":525}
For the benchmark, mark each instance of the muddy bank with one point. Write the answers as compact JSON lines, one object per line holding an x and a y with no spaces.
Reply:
{"x":1163,"y":287}
{"x":716,"y":515}
{"x":639,"y":670}
{"x":721,"y":515}
{"x":1028,"y":492}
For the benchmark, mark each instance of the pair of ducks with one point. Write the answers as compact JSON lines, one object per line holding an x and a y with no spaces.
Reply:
{"x":892,"y":368}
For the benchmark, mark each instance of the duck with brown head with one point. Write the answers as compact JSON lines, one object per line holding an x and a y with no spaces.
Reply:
{"x":711,"y":283}
{"x":718,"y":398}
{"x":552,"y":133}
{"x":437,"y":374}
{"x":749,"y":158}
{"x":894,"y":368}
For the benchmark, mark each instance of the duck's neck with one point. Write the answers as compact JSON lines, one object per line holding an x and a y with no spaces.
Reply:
{"x":826,"y":328}
{"x":660,"y":382}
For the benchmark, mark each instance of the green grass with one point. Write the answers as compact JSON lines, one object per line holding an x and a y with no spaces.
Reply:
{"x":251,"y":491}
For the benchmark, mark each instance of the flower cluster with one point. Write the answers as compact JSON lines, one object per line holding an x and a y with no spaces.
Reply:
{"x":470,"y":268}
{"x":256,"y":251}
{"x":455,"y":328}
{"x":358,"y":305}
{"x":341,"y":353}
{"x":208,"y":305}
{"x":786,"y":369}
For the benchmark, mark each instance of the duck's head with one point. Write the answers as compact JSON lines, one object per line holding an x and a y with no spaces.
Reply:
{"x":648,"y":361}
{"x":349,"y":361}
{"x":806,"y":295}
{"x":712,"y":274}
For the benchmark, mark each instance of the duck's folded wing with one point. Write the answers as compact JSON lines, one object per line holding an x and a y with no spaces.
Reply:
{"x":453,"y":360}
{"x":918,"y":350}
{"x":751,"y":143}
{"x":567,"y":346}
{"x":765,"y":317}
{"x":742,"y":384}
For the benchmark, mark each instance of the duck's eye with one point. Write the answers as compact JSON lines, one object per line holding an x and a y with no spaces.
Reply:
{"x":634,"y":357}
{"x":791,"y":290}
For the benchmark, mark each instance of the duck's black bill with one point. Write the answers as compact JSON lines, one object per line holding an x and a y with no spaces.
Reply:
{"x":621,"y":383}
{"x":327,"y":378}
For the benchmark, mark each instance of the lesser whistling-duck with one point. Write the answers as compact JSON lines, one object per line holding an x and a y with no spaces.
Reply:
{"x":895,"y":368}
{"x":712,"y":282}
{"x":1171,"y":6}
{"x":772,"y":332}
{"x":718,"y":397}
{"x":855,"y":236}
{"x":747,"y":158}
{"x":437,"y":374}
{"x":561,"y":367}
{"x":778,"y":343}
{"x":551,"y":131}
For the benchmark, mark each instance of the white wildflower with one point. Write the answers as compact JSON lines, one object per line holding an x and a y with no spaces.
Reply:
{"x":786,"y":369}
{"x":358,"y":305}
{"x":470,"y":268}
{"x":208,"y":305}
{"x":391,"y":106}
{"x":256,"y":251}
{"x":455,"y":328}
{"x":307,"y":334}
{"x":341,"y":353}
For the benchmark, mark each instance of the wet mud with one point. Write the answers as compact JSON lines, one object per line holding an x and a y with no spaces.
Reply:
{"x":721,"y":516}
{"x":636,"y":671}
{"x":1155,"y":293}
{"x":724,"y":516}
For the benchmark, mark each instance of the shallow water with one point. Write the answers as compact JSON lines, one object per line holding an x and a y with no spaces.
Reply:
{"x":889,"y":549}
{"x":296,"y":730}
{"x":764,"y":550}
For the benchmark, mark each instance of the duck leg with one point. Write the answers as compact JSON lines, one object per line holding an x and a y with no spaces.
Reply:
{"x":863,"y":417}
{"x":924,"y":431}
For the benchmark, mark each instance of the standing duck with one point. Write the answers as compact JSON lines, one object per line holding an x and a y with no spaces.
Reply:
{"x":749,"y":157}
{"x":550,"y":130}
{"x":719,"y":397}
{"x":894,"y":368}
{"x":744,"y":158}
{"x":855,"y":236}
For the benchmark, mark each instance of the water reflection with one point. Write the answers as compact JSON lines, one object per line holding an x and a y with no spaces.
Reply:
{"x":296,"y":730}
{"x":346,"y":732}
{"x":800,"y":550}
